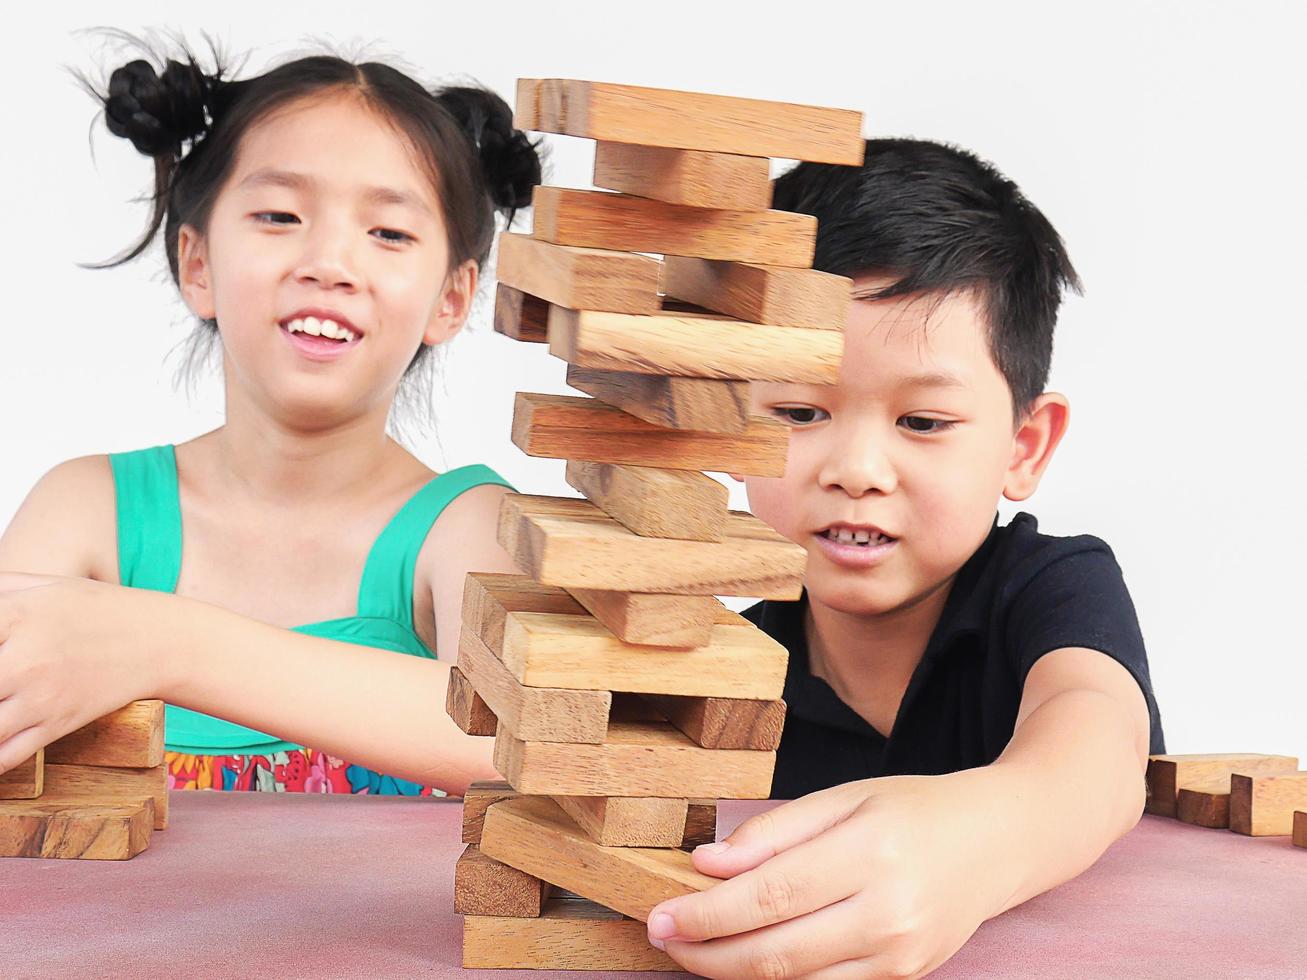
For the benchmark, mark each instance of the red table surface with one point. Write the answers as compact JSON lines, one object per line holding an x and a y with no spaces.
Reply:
{"x":282,"y":885}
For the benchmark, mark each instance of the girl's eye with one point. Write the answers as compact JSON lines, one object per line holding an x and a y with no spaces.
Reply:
{"x":276,"y":218}
{"x":919,"y":423}
{"x":392,"y":237}
{"x":800,"y":415}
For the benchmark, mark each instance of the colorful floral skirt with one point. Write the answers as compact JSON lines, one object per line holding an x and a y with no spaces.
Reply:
{"x":297,"y":771}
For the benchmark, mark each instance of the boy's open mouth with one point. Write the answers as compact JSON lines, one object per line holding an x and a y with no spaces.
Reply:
{"x":861,"y":537}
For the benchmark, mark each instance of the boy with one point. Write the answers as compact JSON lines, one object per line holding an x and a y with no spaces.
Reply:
{"x":968,"y":704}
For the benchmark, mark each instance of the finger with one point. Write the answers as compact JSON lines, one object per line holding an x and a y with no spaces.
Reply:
{"x":20,"y":747}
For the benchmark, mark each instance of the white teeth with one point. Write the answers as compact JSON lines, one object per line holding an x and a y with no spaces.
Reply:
{"x":346,"y":334}
{"x":313,"y":326}
{"x":321,"y":328}
{"x":861,"y":537}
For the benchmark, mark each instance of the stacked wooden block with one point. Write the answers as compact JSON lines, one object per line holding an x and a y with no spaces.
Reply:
{"x":97,"y":793}
{"x":624,"y":697}
{"x":1257,"y":795}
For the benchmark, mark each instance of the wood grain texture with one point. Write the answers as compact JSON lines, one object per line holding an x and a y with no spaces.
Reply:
{"x":1262,"y":804}
{"x":580,"y":278}
{"x":488,"y":598}
{"x":1204,"y":802}
{"x":478,"y":798}
{"x":700,"y":823}
{"x":536,"y":836}
{"x":566,"y":427}
{"x":521,"y":316}
{"x":652,"y":502}
{"x":26,"y":780}
{"x":698,"y":404}
{"x":1166,"y":773}
{"x":573,"y":544}
{"x":85,"y":785}
{"x":689,"y":177}
{"x":463,"y":704}
{"x":689,"y":120}
{"x":697,"y":345}
{"x":1300,"y":828}
{"x":484,"y":886}
{"x":639,"y":759}
{"x":89,"y":831}
{"x":724,"y":723}
{"x":650,"y":619}
{"x":130,"y":737}
{"x":761,"y":294}
{"x":624,"y":821}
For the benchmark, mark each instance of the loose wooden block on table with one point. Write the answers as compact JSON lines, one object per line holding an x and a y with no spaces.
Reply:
{"x":1167,"y":773}
{"x":84,"y":785}
{"x":689,"y":120}
{"x":574,"y":544}
{"x":90,"y":831}
{"x":690,"y":177}
{"x":130,"y":737}
{"x":639,"y":759}
{"x":655,"y":503}
{"x":761,"y":294}
{"x":1262,"y":804}
{"x":480,"y":796}
{"x":580,"y":278}
{"x":724,"y":723}
{"x":566,"y":427}
{"x":26,"y":780}
{"x":462,"y":703}
{"x":600,"y":219}
{"x":484,"y":886}
{"x":650,"y":619}
{"x":521,"y":316}
{"x":535,"y":836}
{"x":698,"y":345}
{"x":570,"y":934}
{"x":1300,"y":828}
{"x":698,"y":404}
{"x":624,"y":821}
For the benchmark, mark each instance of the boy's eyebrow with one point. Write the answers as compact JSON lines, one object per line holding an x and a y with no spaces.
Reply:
{"x":271,"y":177}
{"x":933,"y":379}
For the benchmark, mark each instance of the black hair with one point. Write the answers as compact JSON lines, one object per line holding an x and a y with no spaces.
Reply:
{"x":936,"y":219}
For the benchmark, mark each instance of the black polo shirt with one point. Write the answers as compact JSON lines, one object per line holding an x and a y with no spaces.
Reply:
{"x":1020,"y":596}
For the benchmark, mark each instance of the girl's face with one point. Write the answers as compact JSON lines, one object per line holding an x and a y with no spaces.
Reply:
{"x":327,"y":225}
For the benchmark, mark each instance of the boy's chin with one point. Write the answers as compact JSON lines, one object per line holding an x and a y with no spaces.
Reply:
{"x":852,"y":598}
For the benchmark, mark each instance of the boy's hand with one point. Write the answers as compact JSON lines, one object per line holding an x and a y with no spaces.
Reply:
{"x":878,"y":878}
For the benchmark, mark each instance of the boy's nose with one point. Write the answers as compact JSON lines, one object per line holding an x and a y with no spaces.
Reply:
{"x":858,"y":465}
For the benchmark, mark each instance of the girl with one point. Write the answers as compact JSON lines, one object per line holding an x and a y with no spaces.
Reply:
{"x":327,"y":221}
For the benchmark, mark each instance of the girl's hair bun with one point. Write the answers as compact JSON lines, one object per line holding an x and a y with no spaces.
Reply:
{"x":158,"y":112}
{"x":510,"y":162}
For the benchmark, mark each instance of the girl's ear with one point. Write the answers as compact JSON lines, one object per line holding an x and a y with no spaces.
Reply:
{"x":453,"y":306}
{"x":193,"y":272}
{"x":1033,"y":445}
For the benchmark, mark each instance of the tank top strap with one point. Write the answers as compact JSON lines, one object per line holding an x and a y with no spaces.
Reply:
{"x":149,"y":518}
{"x":386,"y":589}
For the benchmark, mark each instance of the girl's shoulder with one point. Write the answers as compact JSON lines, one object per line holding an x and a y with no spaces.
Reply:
{"x":67,"y":524}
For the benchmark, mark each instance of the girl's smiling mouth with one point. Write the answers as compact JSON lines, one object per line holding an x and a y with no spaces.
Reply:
{"x":320,"y":335}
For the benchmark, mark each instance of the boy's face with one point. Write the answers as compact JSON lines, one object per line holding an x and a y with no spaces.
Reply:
{"x":894,"y":473}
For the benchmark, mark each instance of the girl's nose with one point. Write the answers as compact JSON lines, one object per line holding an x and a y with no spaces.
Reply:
{"x":327,"y":260}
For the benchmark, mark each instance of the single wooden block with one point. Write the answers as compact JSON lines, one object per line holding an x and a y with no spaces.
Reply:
{"x":581,"y":278}
{"x":462,"y":703}
{"x":639,"y":759}
{"x":1204,"y":802}
{"x":1166,"y":773}
{"x":26,"y":780}
{"x":84,"y":785}
{"x":566,"y":427}
{"x":484,"y":886}
{"x":537,"y":837}
{"x":601,"y":219}
{"x":724,"y":723}
{"x":1300,"y":828}
{"x":130,"y":737}
{"x":570,"y":934}
{"x":1261,"y":804}
{"x":478,"y":798}
{"x":548,"y":714}
{"x":699,"y":404}
{"x":689,"y":120}
{"x":624,"y":821}
{"x":650,"y":619}
{"x":521,"y":316}
{"x":573,"y":544}
{"x":700,"y":823}
{"x":689,"y":177}
{"x":761,"y":294}
{"x":697,"y":345}
{"x":655,"y":503}
{"x":488,"y":598}
{"x":90,"y":831}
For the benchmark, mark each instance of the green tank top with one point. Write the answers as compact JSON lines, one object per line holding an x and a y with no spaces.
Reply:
{"x":150,"y":557}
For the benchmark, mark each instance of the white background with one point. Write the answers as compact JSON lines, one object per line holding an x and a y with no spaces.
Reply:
{"x":1164,"y":141}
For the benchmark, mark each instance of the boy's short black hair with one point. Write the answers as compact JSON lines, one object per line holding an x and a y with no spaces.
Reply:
{"x":938,"y":219}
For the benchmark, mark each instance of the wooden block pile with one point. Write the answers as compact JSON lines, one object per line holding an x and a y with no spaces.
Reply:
{"x":624,"y":697}
{"x":1257,"y":795}
{"x":97,"y":793}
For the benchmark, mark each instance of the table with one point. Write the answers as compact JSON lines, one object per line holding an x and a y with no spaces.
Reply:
{"x":290,"y":885}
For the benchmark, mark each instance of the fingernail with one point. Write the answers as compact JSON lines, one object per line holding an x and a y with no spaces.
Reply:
{"x":658,"y":944}
{"x":661,"y":926}
{"x":713,"y":850}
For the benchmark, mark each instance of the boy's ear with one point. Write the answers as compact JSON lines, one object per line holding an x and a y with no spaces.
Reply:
{"x":453,"y":306}
{"x":193,"y":272}
{"x":1033,"y":445}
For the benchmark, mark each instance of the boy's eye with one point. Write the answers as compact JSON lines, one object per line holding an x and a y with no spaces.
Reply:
{"x":276,"y":218}
{"x":800,"y":414}
{"x":919,"y":423}
{"x":392,"y":237}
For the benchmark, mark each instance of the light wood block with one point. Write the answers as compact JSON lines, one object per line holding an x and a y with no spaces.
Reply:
{"x":26,"y":780}
{"x":130,"y":737}
{"x":601,"y":219}
{"x":580,"y":278}
{"x":566,"y":427}
{"x":478,"y":798}
{"x":1204,"y":802}
{"x":537,"y":837}
{"x":1167,"y":773}
{"x":639,"y":759}
{"x":624,"y":821}
{"x":488,"y":598}
{"x":462,"y":703}
{"x":689,"y":177}
{"x":484,"y":886}
{"x":700,"y":823}
{"x":571,"y":934}
{"x":655,"y":503}
{"x":1300,"y":828}
{"x":699,"y":404}
{"x":724,"y":723}
{"x":521,"y":316}
{"x":695,"y":345}
{"x":573,"y":544}
{"x":85,"y":785}
{"x":650,"y":619}
{"x":547,"y":714}
{"x":1261,"y":804}
{"x":761,"y":294}
{"x":689,"y":120}
{"x":96,"y":832}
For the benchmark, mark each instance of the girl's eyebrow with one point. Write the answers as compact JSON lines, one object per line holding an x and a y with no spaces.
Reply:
{"x":271,"y":177}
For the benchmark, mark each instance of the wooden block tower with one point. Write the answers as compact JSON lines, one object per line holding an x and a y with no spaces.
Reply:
{"x":624,"y":698}
{"x":97,"y":793}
